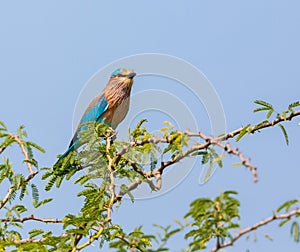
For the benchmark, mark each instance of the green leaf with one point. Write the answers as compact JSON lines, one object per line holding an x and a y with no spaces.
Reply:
{"x":3,"y":125}
{"x":50,"y":183}
{"x":23,"y":191}
{"x":287,"y":205}
{"x":19,"y":209}
{"x":83,"y":179}
{"x":284,"y":222}
{"x":260,"y":109}
{"x":284,"y":115}
{"x":265,"y":107}
{"x":34,"y":145}
{"x":140,"y":123}
{"x":295,"y":231}
{"x":269,"y":113}
{"x":70,"y":174}
{"x":43,"y":202}
{"x":243,"y":132}
{"x":170,"y":126}
{"x":31,"y":161}
{"x":237,"y":164}
{"x":268,"y":237}
{"x":20,"y":131}
{"x":58,"y":181}
{"x":77,"y":231}
{"x":293,"y":105}
{"x":257,"y":126}
{"x":35,"y":232}
{"x":35,"y":192}
{"x":218,"y":160}
{"x":205,"y":157}
{"x":286,"y":137}
{"x":124,"y":188}
{"x":264,"y":104}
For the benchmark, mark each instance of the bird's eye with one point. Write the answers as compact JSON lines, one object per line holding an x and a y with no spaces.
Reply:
{"x":121,"y":75}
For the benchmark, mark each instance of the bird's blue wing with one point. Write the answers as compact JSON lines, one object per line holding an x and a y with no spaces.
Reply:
{"x":93,"y":113}
{"x":95,"y":110}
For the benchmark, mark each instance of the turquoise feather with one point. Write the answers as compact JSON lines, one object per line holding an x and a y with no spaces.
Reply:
{"x":110,"y":106}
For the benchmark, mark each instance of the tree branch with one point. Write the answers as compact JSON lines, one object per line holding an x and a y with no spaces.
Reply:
{"x":32,"y":240}
{"x":110,"y":167}
{"x":2,"y":149}
{"x":31,"y":217}
{"x":111,"y":176}
{"x":25,"y":153}
{"x":208,"y":142}
{"x":256,"y":226}
{"x":12,"y":189}
{"x":129,"y":244}
{"x":234,"y":151}
{"x":258,"y":127}
{"x":245,"y":161}
{"x":131,"y":187}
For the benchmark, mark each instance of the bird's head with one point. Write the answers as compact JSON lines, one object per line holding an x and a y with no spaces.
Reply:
{"x":123,"y":75}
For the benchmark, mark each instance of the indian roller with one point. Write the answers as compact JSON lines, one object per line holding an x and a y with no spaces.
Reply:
{"x":110,"y":106}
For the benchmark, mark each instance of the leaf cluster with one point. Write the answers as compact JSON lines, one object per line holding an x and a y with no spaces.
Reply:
{"x":212,"y":219}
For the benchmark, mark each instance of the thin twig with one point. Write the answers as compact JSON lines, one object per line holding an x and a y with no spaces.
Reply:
{"x":190,"y":151}
{"x":245,"y":161}
{"x":129,"y":188}
{"x":25,"y":153}
{"x":31,"y":217}
{"x":256,"y":226}
{"x":111,"y":176}
{"x":153,"y":140}
{"x":148,"y":175}
{"x":129,"y":244}
{"x":32,"y":240}
{"x":90,"y":241}
{"x":234,"y":151}
{"x":261,"y":126}
{"x":12,"y":189}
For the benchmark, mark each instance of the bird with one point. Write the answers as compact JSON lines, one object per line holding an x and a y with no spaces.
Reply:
{"x":110,"y":106}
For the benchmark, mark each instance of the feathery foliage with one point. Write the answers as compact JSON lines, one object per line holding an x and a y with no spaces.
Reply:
{"x":107,"y":169}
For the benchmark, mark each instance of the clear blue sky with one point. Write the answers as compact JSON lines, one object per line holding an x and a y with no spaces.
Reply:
{"x":247,"y":49}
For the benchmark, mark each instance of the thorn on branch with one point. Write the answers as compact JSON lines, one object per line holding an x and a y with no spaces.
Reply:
{"x":245,"y":162}
{"x":2,"y":149}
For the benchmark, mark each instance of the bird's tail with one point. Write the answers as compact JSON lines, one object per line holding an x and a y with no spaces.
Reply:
{"x":67,"y":152}
{"x":71,"y":148}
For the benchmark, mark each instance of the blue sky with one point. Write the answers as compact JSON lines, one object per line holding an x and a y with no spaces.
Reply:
{"x":247,"y":50}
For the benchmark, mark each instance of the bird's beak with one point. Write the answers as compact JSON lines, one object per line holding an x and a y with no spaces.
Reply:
{"x":131,"y":75}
